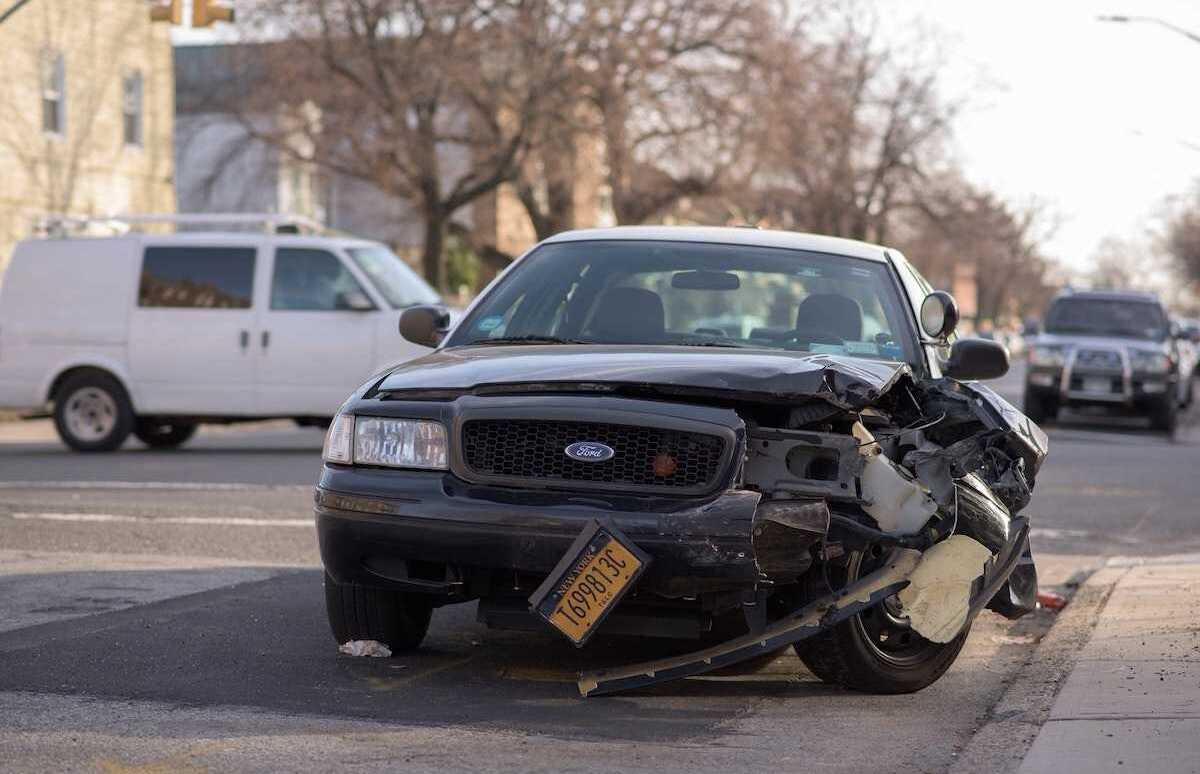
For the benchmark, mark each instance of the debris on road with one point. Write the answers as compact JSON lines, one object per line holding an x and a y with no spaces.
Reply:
{"x":369,"y":648}
{"x":1048,"y":600}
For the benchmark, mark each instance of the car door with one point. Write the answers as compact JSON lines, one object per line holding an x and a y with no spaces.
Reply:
{"x":191,"y":327}
{"x":317,"y":342}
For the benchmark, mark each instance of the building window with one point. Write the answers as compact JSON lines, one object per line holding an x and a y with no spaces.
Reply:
{"x":131,"y":107}
{"x":54,"y":93}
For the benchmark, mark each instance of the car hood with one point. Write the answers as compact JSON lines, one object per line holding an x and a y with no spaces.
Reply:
{"x":1107,"y":342}
{"x":758,"y":373}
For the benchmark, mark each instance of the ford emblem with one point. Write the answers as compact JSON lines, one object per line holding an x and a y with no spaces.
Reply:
{"x":589,"y":451}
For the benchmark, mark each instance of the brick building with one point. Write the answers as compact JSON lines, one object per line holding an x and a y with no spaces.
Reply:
{"x":86,"y":113}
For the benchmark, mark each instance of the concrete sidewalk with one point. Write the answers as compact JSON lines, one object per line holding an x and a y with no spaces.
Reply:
{"x":1132,"y":701}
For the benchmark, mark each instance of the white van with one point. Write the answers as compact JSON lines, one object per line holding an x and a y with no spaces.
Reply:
{"x":152,"y":335}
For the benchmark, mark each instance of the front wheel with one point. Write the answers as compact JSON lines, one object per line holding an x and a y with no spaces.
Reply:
{"x":394,"y":618}
{"x":1164,"y":414}
{"x":877,"y":651}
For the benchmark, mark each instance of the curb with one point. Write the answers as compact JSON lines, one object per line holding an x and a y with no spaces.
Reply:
{"x":1001,"y":743}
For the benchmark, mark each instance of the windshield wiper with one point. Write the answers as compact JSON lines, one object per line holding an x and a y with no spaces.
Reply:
{"x":528,"y":340}
{"x":732,"y":344}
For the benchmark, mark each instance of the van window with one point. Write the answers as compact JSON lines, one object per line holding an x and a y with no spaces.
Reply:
{"x":312,"y":280}
{"x":197,"y":277}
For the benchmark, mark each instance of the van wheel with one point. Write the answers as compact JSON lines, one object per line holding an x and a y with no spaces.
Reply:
{"x":163,"y":435}
{"x":394,"y":618}
{"x":92,"y":412}
{"x":876,"y":651}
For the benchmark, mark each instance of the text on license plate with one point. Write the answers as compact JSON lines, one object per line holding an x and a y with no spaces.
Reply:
{"x":602,"y":570}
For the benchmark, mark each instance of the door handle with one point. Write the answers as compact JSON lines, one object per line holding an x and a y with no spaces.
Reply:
{"x":244,"y":338}
{"x":266,"y":339}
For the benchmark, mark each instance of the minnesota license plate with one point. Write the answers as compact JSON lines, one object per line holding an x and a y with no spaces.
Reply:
{"x":592,"y":577}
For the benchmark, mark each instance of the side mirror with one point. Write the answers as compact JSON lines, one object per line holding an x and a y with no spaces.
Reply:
{"x":424,"y":325}
{"x":976,"y":359}
{"x":354,"y":301}
{"x":939,"y":315}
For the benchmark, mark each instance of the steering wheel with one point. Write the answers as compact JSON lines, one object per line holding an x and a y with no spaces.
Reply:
{"x":801,"y":339}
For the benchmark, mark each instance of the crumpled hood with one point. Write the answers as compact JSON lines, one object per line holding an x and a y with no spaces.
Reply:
{"x":845,"y":381}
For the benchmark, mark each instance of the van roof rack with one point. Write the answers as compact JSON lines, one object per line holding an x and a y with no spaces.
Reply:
{"x":61,"y":225}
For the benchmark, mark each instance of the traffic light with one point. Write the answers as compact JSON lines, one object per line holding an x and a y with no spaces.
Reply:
{"x":167,"y":11}
{"x":206,"y":12}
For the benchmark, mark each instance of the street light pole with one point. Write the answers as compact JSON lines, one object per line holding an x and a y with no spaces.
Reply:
{"x":1151,"y":20}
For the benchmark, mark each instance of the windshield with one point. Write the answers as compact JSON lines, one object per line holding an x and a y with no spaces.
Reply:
{"x":695,"y":294}
{"x":400,"y":285}
{"x":1107,"y":317}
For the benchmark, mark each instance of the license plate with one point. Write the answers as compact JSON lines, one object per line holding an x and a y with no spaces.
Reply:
{"x":601,"y":566}
{"x":1097,"y":385}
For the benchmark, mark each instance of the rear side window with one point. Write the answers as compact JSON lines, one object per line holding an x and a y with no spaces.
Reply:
{"x":311,"y":280}
{"x":197,"y":277}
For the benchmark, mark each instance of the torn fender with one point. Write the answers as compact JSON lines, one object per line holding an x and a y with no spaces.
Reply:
{"x":809,"y":620}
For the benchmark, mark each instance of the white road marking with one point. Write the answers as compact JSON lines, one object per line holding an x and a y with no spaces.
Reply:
{"x":207,"y":521}
{"x":176,"y":485}
{"x":1052,"y":533}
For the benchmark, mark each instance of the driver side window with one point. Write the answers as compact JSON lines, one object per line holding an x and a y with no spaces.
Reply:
{"x":311,"y":280}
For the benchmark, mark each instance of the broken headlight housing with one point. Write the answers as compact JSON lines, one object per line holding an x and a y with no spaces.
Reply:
{"x":392,"y":443}
{"x":1149,"y":361}
{"x":1047,"y":355}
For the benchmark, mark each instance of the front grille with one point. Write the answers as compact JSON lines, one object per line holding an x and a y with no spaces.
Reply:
{"x":1100,"y":359}
{"x":643,"y":456}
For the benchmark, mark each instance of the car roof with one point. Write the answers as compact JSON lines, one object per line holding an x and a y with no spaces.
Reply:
{"x":757,"y":237}
{"x":208,"y":237}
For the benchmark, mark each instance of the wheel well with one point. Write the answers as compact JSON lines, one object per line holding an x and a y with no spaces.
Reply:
{"x":59,"y":380}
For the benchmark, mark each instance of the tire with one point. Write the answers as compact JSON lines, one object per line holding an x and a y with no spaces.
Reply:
{"x":1038,"y":408}
{"x":847,"y":655}
{"x":1164,"y":414}
{"x":394,"y":618}
{"x":92,"y":412}
{"x":158,"y":434}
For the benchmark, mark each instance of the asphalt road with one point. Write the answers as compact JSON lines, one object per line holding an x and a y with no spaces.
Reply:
{"x":163,"y":610}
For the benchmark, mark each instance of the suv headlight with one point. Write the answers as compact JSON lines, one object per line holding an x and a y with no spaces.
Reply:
{"x":393,"y":443}
{"x":1149,"y":361}
{"x":1045,"y":355}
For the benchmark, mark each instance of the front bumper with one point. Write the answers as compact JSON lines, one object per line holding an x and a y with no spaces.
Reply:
{"x":376,"y":527}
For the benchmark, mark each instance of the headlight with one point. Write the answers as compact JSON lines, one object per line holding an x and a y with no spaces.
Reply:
{"x":400,"y":443}
{"x":339,"y":441}
{"x":1043,"y":355}
{"x":1149,"y":361}
{"x":394,"y":443}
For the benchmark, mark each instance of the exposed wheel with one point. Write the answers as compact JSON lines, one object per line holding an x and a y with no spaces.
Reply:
{"x":1039,"y":408}
{"x":158,"y":434}
{"x":92,"y":412}
{"x":1164,"y":414}
{"x":394,"y":618}
{"x":876,"y":651}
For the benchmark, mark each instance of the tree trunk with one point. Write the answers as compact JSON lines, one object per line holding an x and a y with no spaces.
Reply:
{"x":433,"y":262}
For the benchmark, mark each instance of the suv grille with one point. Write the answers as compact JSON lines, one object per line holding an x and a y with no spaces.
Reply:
{"x":644,"y":456}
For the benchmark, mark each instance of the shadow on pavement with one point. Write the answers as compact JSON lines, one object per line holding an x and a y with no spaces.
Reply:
{"x":266,"y":644}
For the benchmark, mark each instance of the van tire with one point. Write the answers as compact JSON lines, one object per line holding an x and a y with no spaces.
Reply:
{"x":92,"y":412}
{"x":158,"y":434}
{"x":396,"y":619}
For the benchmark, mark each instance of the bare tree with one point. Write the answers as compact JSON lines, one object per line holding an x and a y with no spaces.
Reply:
{"x":431,"y":101}
{"x":1182,"y":240}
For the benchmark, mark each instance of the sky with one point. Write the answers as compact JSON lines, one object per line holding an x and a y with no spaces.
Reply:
{"x":1097,"y":122}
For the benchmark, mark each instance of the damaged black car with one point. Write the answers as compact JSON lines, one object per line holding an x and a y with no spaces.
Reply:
{"x":750,"y":438}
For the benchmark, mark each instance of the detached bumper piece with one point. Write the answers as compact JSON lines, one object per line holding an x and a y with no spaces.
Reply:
{"x":803,"y":623}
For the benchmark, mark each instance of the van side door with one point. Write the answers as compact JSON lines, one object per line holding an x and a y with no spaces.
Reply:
{"x":191,"y":328}
{"x":317,"y":342}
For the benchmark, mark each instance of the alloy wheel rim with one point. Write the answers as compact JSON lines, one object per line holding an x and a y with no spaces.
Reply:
{"x":90,"y":414}
{"x":884,"y":628}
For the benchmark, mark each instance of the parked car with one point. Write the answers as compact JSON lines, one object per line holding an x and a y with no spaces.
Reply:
{"x":1112,"y":350}
{"x":586,"y":451}
{"x":153,"y":334}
